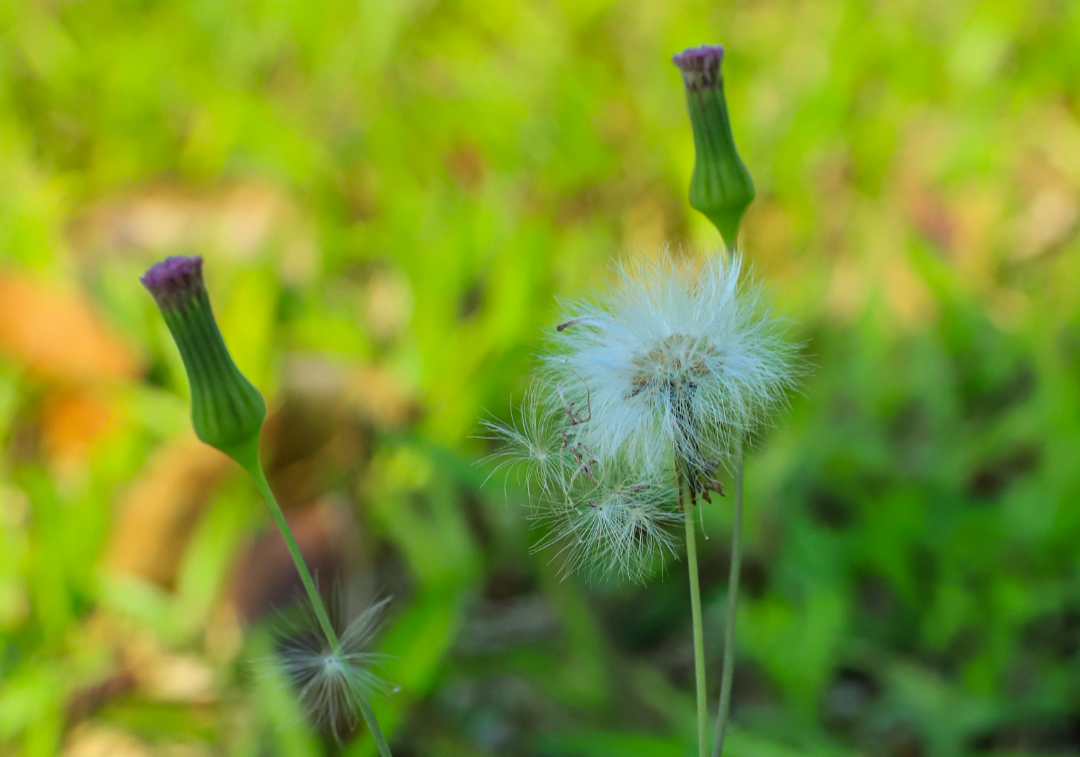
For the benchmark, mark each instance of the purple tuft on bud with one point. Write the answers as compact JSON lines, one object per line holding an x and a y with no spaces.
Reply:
{"x":700,"y":66}
{"x":172,"y":276}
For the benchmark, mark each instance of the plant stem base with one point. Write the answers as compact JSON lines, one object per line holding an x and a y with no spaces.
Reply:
{"x":699,"y":636}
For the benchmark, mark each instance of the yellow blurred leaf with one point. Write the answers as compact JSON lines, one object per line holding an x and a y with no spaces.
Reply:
{"x":93,"y":740}
{"x":160,"y":510}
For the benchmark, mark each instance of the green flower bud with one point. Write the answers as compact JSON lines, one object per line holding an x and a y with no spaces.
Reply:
{"x":226,"y":409}
{"x":721,"y":187}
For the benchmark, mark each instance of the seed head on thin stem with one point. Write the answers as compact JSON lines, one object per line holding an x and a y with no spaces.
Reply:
{"x":325,"y":679}
{"x":644,"y":387}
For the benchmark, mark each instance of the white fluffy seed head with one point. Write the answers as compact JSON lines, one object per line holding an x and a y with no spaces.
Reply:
{"x":678,"y":356}
{"x":658,"y":375}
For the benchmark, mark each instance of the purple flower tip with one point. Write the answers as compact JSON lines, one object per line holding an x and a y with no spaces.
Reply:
{"x":700,"y":66}
{"x":174,"y":275}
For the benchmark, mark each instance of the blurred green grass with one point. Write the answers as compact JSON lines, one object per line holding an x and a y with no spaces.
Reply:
{"x":389,"y":196}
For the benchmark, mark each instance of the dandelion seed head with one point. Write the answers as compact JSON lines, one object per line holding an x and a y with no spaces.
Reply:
{"x":676,"y":356}
{"x":645,"y":386}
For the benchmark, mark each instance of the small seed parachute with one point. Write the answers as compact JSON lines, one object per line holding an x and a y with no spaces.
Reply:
{"x":643,"y":387}
{"x":326,"y":679}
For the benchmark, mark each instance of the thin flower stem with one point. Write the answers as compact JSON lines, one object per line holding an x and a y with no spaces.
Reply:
{"x":263,"y":486}
{"x":255,"y":470}
{"x":369,"y":718}
{"x":699,"y":636}
{"x":732,"y":603}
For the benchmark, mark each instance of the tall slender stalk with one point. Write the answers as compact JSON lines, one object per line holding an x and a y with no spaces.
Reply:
{"x":732,"y":602}
{"x":695,"y":611}
{"x":227,"y":412}
{"x":250,"y":463}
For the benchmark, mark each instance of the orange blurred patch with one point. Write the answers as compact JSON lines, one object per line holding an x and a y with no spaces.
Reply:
{"x":379,"y":398}
{"x":932,"y":217}
{"x":72,"y":422}
{"x":467,"y":166}
{"x":56,"y":333}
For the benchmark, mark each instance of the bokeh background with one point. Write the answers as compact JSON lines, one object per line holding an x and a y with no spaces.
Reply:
{"x":389,"y":197}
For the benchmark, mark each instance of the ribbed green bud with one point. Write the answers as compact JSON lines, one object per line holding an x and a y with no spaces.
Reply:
{"x":226,"y":409}
{"x":720,"y":187}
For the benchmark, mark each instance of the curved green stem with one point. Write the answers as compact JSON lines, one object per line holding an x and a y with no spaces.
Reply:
{"x":695,"y":611}
{"x":249,"y":460}
{"x":732,"y":603}
{"x":323,"y":617}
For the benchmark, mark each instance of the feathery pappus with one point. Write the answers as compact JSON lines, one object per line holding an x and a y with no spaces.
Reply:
{"x":644,"y":389}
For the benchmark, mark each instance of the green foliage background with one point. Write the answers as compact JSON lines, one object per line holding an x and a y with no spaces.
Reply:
{"x":389,"y":197}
